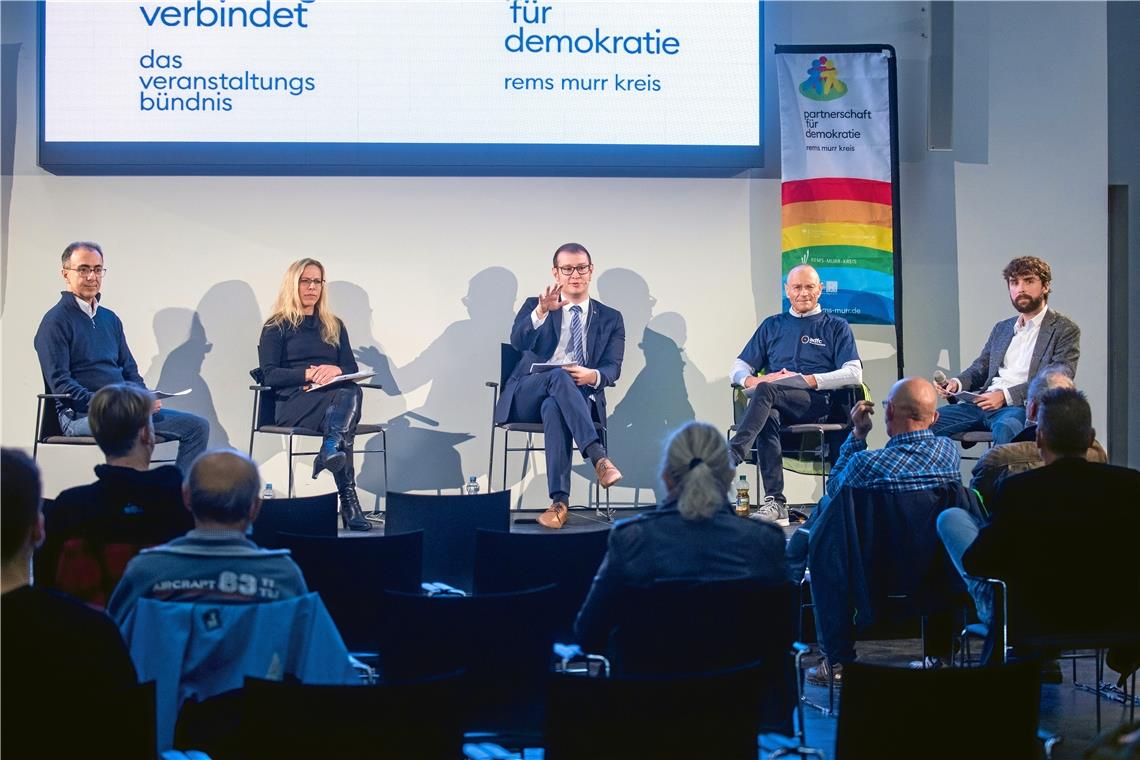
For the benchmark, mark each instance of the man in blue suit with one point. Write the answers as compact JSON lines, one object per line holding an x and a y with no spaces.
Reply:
{"x":1017,"y":348}
{"x":564,"y":326}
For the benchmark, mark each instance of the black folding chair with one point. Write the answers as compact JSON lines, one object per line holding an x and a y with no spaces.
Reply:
{"x":690,"y":715}
{"x":352,"y":574}
{"x":264,"y":415}
{"x":515,"y":561}
{"x":49,"y":433}
{"x":509,"y":358}
{"x":1009,"y":696}
{"x":417,"y":719}
{"x":448,"y":523}
{"x":503,"y":643}
{"x":307,"y":515}
{"x":796,"y":440}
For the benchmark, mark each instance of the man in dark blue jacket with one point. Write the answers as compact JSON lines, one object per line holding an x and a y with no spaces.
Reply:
{"x":587,"y":348}
{"x":82,"y":348}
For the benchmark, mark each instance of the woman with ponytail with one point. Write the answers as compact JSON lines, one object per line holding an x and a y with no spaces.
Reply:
{"x":693,"y":534}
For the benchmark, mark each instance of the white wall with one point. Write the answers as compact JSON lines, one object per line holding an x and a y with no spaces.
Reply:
{"x":696,"y":260}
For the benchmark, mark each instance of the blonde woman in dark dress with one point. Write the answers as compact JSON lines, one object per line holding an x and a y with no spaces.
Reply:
{"x":303,"y":343}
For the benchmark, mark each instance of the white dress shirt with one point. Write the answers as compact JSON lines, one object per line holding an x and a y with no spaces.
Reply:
{"x":560,"y":355}
{"x":88,"y":308}
{"x":1014,"y":369}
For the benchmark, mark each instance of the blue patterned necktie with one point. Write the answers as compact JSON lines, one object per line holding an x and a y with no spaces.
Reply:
{"x":574,"y":352}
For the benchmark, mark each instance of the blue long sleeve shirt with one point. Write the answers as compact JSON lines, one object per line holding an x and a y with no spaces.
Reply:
{"x":81,"y":354}
{"x":912,"y":461}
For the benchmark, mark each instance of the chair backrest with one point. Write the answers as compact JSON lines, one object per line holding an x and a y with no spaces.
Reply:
{"x":307,"y":515}
{"x":514,"y":561}
{"x":202,"y":650}
{"x":88,"y":568}
{"x":449,"y":524}
{"x":266,"y":407}
{"x":265,"y":401}
{"x":49,"y":418}
{"x":352,"y":574}
{"x":509,"y":358}
{"x":699,"y":626}
{"x":1010,"y":694}
{"x":400,"y":720}
{"x":503,"y":642}
{"x":869,"y":547}
{"x":708,"y":715}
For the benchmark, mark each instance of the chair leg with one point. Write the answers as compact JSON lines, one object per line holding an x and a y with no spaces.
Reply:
{"x":289,"y":463}
{"x":506,"y":437}
{"x":491,"y":460}
{"x":1099,"y":681}
{"x":377,"y":514}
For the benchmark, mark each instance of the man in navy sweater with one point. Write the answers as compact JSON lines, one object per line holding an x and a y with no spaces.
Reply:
{"x":82,"y":348}
{"x":802,"y":353}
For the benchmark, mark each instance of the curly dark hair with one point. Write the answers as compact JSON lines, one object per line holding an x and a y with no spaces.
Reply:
{"x":1023,"y":266}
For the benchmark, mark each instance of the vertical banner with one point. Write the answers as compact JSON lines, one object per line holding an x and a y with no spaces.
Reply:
{"x":839,"y":153}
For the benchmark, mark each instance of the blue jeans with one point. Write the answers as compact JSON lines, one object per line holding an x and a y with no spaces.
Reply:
{"x":958,"y":530}
{"x":191,"y":431}
{"x":1004,"y":423}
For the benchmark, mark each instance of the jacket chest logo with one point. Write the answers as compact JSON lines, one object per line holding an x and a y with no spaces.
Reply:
{"x":810,"y":341}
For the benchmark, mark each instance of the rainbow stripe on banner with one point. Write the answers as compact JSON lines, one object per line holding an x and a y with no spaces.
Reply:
{"x":844,"y":227}
{"x":837,"y":164}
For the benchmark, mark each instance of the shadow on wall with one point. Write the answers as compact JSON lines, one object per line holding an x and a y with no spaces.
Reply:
{"x":427,"y":445}
{"x":350,"y":302}
{"x":219,"y":346}
{"x":8,"y":107}
{"x":657,"y":400}
{"x":182,"y":367}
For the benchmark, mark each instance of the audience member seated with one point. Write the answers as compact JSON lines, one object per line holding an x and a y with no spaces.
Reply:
{"x":215,"y":562}
{"x":1032,"y":540}
{"x":61,"y":660}
{"x":1022,"y":453}
{"x":913,"y":459}
{"x":96,"y":528}
{"x":692,"y":535}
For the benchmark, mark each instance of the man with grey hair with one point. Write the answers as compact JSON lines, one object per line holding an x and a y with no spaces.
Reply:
{"x":801,"y":354}
{"x":1022,"y":453}
{"x":82,"y":347}
{"x":215,"y":562}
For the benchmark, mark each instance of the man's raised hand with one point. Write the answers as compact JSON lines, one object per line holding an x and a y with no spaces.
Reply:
{"x":550,"y":299}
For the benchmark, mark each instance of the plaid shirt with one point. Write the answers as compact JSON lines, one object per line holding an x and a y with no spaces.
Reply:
{"x":909,"y":462}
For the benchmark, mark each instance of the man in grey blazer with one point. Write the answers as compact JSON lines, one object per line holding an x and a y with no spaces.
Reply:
{"x":1016,"y":349}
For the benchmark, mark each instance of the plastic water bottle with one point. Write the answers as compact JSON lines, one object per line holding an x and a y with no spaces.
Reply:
{"x":743,"y":502}
{"x":267,"y":492}
{"x":472,"y":486}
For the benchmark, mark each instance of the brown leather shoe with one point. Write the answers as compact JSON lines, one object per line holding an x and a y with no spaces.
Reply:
{"x":555,"y":516}
{"x":607,"y":473}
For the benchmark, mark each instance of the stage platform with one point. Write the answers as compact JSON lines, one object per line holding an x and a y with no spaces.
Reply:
{"x":581,"y":519}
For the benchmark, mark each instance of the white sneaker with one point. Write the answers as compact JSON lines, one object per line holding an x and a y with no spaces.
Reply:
{"x":772,"y":510}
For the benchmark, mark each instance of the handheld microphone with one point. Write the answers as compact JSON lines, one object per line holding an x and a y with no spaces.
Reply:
{"x":940,"y":378}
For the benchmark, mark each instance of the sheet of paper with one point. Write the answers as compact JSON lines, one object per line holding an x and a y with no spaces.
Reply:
{"x":547,"y":366}
{"x":340,"y":379}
